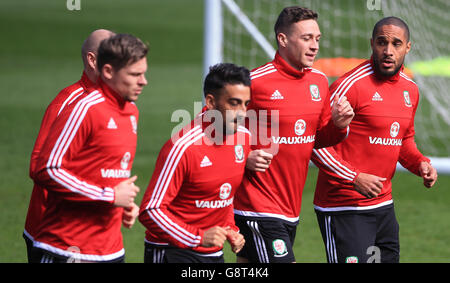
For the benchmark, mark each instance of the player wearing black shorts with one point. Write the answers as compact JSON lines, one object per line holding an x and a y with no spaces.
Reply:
{"x":367,"y":236}
{"x":267,"y":240}
{"x":169,"y":254}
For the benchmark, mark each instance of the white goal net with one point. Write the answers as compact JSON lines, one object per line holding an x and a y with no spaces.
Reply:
{"x":248,"y":39}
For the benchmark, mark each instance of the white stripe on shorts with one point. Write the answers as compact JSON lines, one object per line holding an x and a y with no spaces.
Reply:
{"x":331,"y":245}
{"x":158,"y":255}
{"x":259,"y":242}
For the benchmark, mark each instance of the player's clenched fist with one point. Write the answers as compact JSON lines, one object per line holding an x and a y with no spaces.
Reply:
{"x":235,"y":239}
{"x":125,"y":192}
{"x":214,"y":237}
{"x":341,"y":112}
{"x":129,"y":215}
{"x":428,"y":173}
{"x":369,"y":185}
{"x":258,"y":160}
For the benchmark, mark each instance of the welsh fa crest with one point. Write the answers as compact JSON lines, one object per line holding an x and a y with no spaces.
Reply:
{"x":351,"y":259}
{"x":407,"y":98}
{"x":279,"y":248}
{"x":239,"y":153}
{"x":315,"y":93}
{"x":133,"y":123}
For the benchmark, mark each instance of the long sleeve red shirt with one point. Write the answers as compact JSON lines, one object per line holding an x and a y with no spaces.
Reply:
{"x":89,"y":149}
{"x":192,"y":187}
{"x":382,"y":133}
{"x":298,"y":119}
{"x":39,"y":195}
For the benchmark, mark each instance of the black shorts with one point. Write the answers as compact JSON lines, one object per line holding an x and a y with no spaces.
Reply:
{"x":167,"y":254}
{"x":267,"y":240}
{"x":29,"y":244}
{"x":360,"y":236}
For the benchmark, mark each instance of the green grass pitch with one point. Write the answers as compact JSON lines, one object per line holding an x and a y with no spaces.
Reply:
{"x":40,"y":54}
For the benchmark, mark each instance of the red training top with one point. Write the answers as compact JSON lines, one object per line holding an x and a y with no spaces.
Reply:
{"x":193,"y":186}
{"x":298,"y":112}
{"x":89,"y":149}
{"x":39,"y":195}
{"x":382,"y":133}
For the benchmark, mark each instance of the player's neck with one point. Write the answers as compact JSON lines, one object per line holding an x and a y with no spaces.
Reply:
{"x":292,"y":64}
{"x":282,"y":64}
{"x":91,"y":74}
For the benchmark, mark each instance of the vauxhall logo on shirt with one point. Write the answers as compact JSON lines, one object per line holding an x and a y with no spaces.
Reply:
{"x":119,"y":173}
{"x":223,"y":201}
{"x":393,"y":132}
{"x":299,"y":130}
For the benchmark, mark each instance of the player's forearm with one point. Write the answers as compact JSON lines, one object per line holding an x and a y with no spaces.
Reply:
{"x":71,"y":187}
{"x":334,"y":166}
{"x":330,"y":135}
{"x":410,"y":157}
{"x":167,"y":228}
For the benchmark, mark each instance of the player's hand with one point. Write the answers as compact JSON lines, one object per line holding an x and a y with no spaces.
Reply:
{"x":129,"y":215}
{"x":214,"y":237}
{"x":368,"y":185}
{"x":341,"y":112}
{"x":235,"y":239}
{"x":125,"y":192}
{"x":258,"y":160}
{"x":428,"y":173}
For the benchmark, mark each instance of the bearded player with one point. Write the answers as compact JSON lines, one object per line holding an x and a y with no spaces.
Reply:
{"x":188,"y":206}
{"x":353,"y":198}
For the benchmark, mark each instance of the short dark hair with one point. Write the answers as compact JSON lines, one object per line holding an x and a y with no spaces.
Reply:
{"x":391,"y":21}
{"x":291,"y":15}
{"x":222,"y":74}
{"x":120,"y":50}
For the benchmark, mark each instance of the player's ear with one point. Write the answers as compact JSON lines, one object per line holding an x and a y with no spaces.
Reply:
{"x":92,"y":60}
{"x":282,"y":39}
{"x":210,"y":101}
{"x":107,"y":71}
{"x":408,"y":47}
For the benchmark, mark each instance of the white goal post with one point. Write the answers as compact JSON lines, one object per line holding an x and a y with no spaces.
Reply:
{"x":241,"y":32}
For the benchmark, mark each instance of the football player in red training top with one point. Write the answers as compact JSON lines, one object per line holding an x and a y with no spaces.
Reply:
{"x":355,"y":210}
{"x":267,"y":205}
{"x":66,"y":97}
{"x":188,"y":206}
{"x":86,"y":161}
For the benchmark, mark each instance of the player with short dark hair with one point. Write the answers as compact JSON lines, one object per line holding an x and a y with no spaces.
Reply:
{"x":267,"y":205}
{"x":353,"y":198}
{"x":120,"y":51}
{"x":85,"y":164}
{"x":291,"y":15}
{"x":395,"y":21}
{"x":188,"y":206}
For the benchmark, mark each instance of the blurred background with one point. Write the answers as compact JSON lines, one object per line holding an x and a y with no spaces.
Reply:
{"x":40,"y":53}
